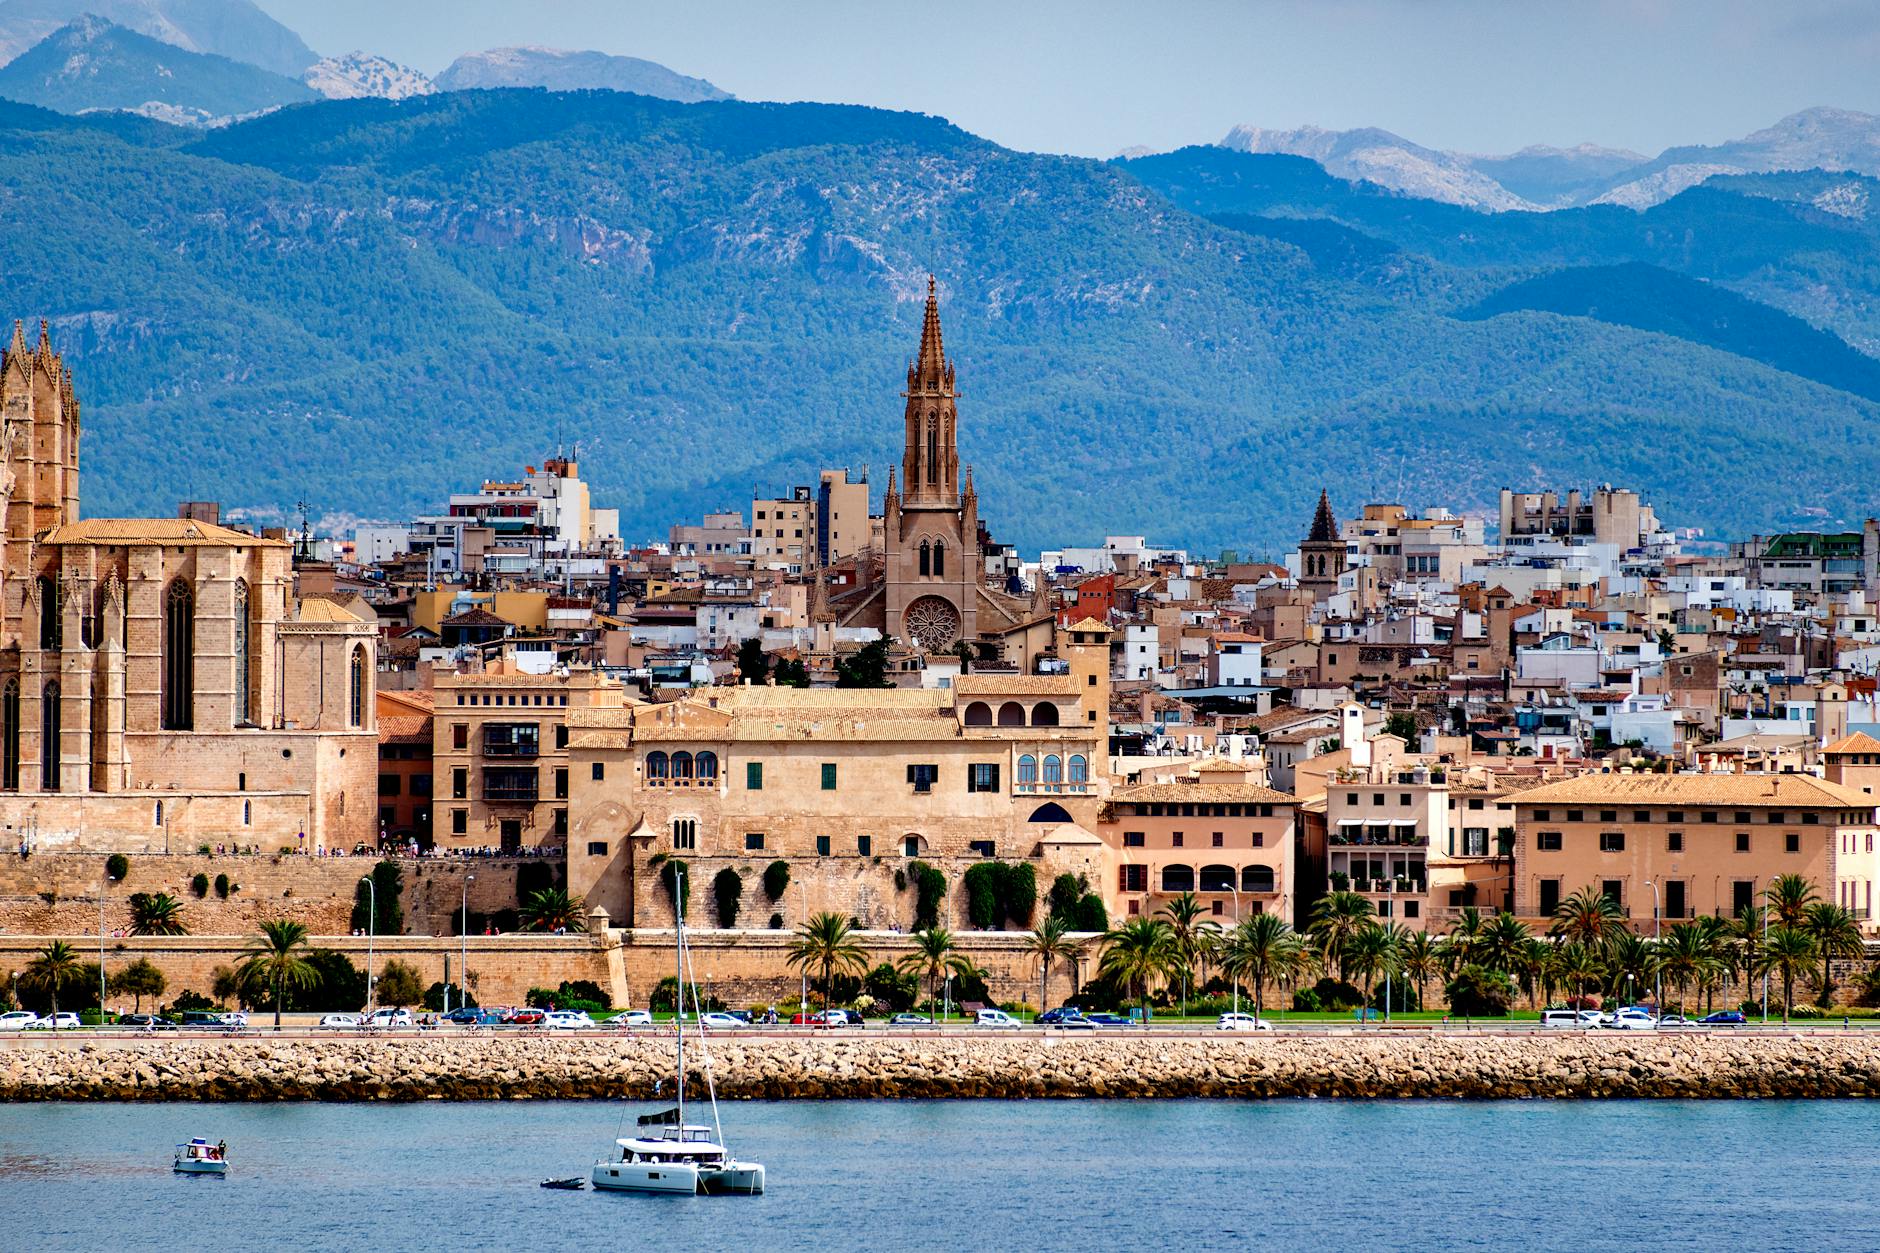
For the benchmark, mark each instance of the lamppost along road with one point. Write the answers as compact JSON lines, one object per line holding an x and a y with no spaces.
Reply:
{"x":372,"y":925}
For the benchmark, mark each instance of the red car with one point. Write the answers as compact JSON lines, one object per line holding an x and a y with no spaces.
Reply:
{"x":813,"y":1019}
{"x":524,"y":1018}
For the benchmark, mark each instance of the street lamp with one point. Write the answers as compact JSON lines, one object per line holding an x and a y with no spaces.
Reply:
{"x":1658,"y":998}
{"x":463,"y":944}
{"x":372,"y":925}
{"x":1235,"y":980}
{"x":1765,"y":992}
{"x":103,"y":881}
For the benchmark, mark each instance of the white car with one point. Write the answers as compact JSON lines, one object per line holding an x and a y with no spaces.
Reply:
{"x":339,"y":1022}
{"x":60,"y":1021}
{"x":1631,"y":1019}
{"x":235,"y":1018}
{"x":1241,"y":1022}
{"x":634,"y":1018}
{"x":18,"y":1019}
{"x":568,"y":1019}
{"x":995,"y":1018}
{"x":1573,"y":1019}
{"x":391,"y":1018}
{"x":720,"y":1022}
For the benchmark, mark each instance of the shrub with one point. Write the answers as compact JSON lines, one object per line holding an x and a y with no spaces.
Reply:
{"x":399,"y":984}
{"x":187,"y":1000}
{"x":667,"y":991}
{"x":573,"y":994}
{"x":203,"y":850}
{"x":341,"y":987}
{"x":199,"y":885}
{"x":434,"y":998}
{"x":776,"y":922}
{"x":982,"y":895}
{"x":1334,"y":995}
{"x":678,"y":884}
{"x":1341,"y":882}
{"x":1805,"y":1011}
{"x":930,"y":889}
{"x":389,"y":916}
{"x":727,"y":894}
{"x":117,"y":866}
{"x":139,"y":979}
{"x":892,"y":990}
{"x":1018,"y":892}
{"x":1477,"y":992}
{"x":1306,"y":1001}
{"x":776,"y":879}
{"x":222,"y":887}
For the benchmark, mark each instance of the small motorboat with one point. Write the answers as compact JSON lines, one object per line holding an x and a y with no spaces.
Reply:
{"x":574,"y":1183}
{"x":199,"y":1157}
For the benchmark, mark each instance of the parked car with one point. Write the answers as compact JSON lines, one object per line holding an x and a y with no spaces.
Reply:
{"x":60,"y":1021}
{"x":910,"y":1020}
{"x":848,"y":1017}
{"x":17,"y":1020}
{"x":524,"y":1017}
{"x":1724,"y":1018}
{"x":1109,"y":1020}
{"x":491,"y":1017}
{"x":1572,"y":1019}
{"x":995,"y":1018}
{"x":717,"y":1020}
{"x":464,"y":1017}
{"x":1241,"y":1022}
{"x":634,"y":1018}
{"x":146,"y":1022}
{"x":1673,"y":1020}
{"x":568,"y":1020}
{"x":1631,"y":1018}
{"x":391,"y":1019}
{"x":339,"y":1022}
{"x":1063,"y":1013}
{"x":202,"y":1020}
{"x":235,"y":1019}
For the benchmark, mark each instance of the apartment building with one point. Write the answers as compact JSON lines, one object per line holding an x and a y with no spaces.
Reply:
{"x":1216,"y":834}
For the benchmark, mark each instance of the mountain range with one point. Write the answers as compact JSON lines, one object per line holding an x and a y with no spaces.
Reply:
{"x":235,"y":29}
{"x":365,"y":303}
{"x":560,"y":70}
{"x":1554,"y":178}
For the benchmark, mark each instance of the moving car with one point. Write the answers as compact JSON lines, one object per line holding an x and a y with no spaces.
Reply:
{"x":1109,"y":1020}
{"x":910,"y":1020}
{"x":464,"y":1016}
{"x":1724,"y":1018}
{"x":1063,"y":1013}
{"x":235,"y":1019}
{"x":1578,"y":1019}
{"x":150,"y":1022}
{"x":17,"y":1019}
{"x":1631,"y":1018}
{"x":1241,"y":1022}
{"x":847,"y":1017}
{"x":60,"y":1021}
{"x":718,"y":1021}
{"x":568,"y":1020}
{"x":524,"y":1017}
{"x":338,"y":1022}
{"x":995,"y":1018}
{"x":634,"y":1018}
{"x":391,"y":1018}
{"x":202,"y":1020}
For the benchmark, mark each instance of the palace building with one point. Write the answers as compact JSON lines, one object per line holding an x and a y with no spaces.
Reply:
{"x":160,"y":685}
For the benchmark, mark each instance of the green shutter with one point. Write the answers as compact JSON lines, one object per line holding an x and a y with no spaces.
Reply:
{"x":829,"y":776}
{"x":754,"y":775}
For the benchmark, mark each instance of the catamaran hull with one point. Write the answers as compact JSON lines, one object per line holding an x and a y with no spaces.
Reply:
{"x":733,"y":1179}
{"x":681,"y":1177}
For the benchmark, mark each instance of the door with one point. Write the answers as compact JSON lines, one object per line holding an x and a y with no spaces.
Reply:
{"x":1674,"y":899}
{"x":512,"y":834}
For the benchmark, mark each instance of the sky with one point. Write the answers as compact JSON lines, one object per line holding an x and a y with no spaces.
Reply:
{"x":1095,"y":77}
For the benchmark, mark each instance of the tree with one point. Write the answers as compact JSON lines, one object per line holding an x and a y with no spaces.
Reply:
{"x":1588,"y":916}
{"x":1187,"y":922}
{"x":156,"y":913}
{"x":934,"y":957}
{"x":753,"y":662}
{"x":1460,"y":944}
{"x":1835,"y":934}
{"x":1139,"y":950}
{"x":866,"y":667}
{"x":1336,"y":917}
{"x":727,"y":895}
{"x":139,"y":979}
{"x":1478,"y":992}
{"x":1579,"y":964}
{"x":1503,"y":941}
{"x":1746,"y":929}
{"x":277,"y":960}
{"x":828,"y":942}
{"x":399,"y":984}
{"x":56,"y":968}
{"x":790,"y":672}
{"x":227,"y":986}
{"x":386,"y":915}
{"x":1051,"y":942}
{"x":1790,"y":951}
{"x":1631,"y":961}
{"x":930,"y":889}
{"x":1263,"y":948}
{"x":1789,"y":897}
{"x":1534,"y":966}
{"x":1420,"y":961}
{"x":1403,"y":725}
{"x":678,"y":884}
{"x":1371,"y":952}
{"x":552,"y":909}
{"x":1685,"y":957}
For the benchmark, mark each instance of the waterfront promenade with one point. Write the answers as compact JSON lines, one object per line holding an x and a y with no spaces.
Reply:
{"x":1397,"y":1063}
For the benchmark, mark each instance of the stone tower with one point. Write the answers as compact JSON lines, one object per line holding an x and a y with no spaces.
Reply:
{"x":930,"y":522}
{"x":1322,"y":555}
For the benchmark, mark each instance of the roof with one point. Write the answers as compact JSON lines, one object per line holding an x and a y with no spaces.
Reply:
{"x":1859,"y":742}
{"x":404,"y":729}
{"x":1749,"y":790}
{"x":1221,"y":765}
{"x":1088,"y":624}
{"x":319,"y":609}
{"x":168,"y":532}
{"x":970,"y":684}
{"x":1069,"y":833}
{"x":1207,"y":792}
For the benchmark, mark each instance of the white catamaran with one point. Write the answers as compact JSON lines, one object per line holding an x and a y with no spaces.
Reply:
{"x":668,"y":1154}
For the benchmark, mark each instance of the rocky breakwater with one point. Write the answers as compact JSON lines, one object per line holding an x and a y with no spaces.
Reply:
{"x":1385,"y":1065}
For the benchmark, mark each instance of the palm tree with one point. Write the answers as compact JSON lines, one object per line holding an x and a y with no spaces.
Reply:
{"x":1420,"y":960}
{"x":1263,"y":947}
{"x":1790,"y":951}
{"x":156,"y":913}
{"x":1185,"y":916}
{"x":277,"y":960}
{"x":1747,"y":930}
{"x":1048,"y":943}
{"x":1372,"y":952}
{"x":1336,"y":917}
{"x":1686,"y":956}
{"x":934,"y":956}
{"x":552,"y":909}
{"x":1136,"y":952}
{"x":1501,"y":943}
{"x":1631,"y":960}
{"x":1789,"y":897}
{"x":1463,"y":937}
{"x":1716,"y":935}
{"x":1580,"y":964}
{"x":1836,"y":934}
{"x":828,"y":941}
{"x":1535,"y":964}
{"x":56,"y":967}
{"x":1589,"y":916}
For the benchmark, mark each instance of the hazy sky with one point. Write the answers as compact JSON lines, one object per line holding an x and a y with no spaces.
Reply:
{"x":1097,"y":76}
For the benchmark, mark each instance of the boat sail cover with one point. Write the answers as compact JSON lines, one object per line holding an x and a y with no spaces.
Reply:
{"x":664,"y":1118}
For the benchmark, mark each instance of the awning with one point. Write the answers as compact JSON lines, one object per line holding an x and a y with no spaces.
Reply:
{"x":1403,"y":822}
{"x":1351,"y":822}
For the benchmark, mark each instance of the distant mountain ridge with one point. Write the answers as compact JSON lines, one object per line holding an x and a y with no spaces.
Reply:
{"x":235,"y":29}
{"x":561,"y":70}
{"x":356,"y":74}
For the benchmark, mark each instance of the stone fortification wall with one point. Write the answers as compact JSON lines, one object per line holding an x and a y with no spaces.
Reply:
{"x":858,"y":1065}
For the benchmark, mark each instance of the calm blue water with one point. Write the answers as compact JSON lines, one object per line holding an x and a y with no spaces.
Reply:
{"x":960,"y":1174}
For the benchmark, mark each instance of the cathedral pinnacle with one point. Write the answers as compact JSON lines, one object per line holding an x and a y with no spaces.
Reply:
{"x":1324,"y":523}
{"x":932,"y":359}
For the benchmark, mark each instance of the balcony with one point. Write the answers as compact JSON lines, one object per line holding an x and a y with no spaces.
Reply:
{"x":511,"y":786}
{"x":512,"y":740}
{"x":1053,"y":789}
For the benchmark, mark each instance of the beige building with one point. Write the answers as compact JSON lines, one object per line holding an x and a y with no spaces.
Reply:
{"x":1381,"y":821}
{"x":160,"y":686}
{"x":500,"y":760}
{"x":848,"y":787}
{"x":1228,"y":840}
{"x":812,"y":526}
{"x":1711,"y":843}
{"x":1607,"y":515}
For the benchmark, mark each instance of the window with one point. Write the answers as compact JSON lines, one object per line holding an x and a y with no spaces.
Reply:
{"x":910,"y":846}
{"x":459,"y":783}
{"x":1412,"y":909}
{"x":707,"y":766}
{"x":10,"y":735}
{"x":754,"y":776}
{"x":597,"y":848}
{"x":685,"y":833}
{"x":359,"y":687}
{"x":1609,"y":815}
{"x":982,"y":776}
{"x":1708,"y":815}
{"x":822,"y":846}
{"x":1549,"y":897}
{"x":1576,"y":815}
{"x":561,"y":783}
{"x":682,"y":766}
{"x":1742,"y":895}
{"x":460,"y":736}
{"x":753,"y":841}
{"x":1053,"y":769}
{"x":1027,"y":770}
{"x":1178,"y":839}
{"x":1791,"y":843}
{"x":1741,"y":817}
{"x":1132,"y":839}
{"x":1080,"y":768}
{"x":600,"y":771}
{"x":1641,"y":815}
{"x":1547,"y":841}
{"x":923,"y":777}
{"x":248,"y":807}
{"x":1541,"y":815}
{"x":1612,"y":841}
{"x":561,"y":822}
{"x":864,"y":845}
{"x":511,"y":783}
{"x":1742,"y":841}
{"x":1220,"y":840}
{"x":1674,"y":842}
{"x":829,"y":776}
{"x":1133,"y":878}
{"x":179,"y":657}
{"x":1674,"y":815}
{"x":390,"y":785}
{"x":1612,"y":890}
{"x":51,"y":623}
{"x":980,"y":848}
{"x":459,"y":821}
{"x":561,"y":736}
{"x":244,"y":664}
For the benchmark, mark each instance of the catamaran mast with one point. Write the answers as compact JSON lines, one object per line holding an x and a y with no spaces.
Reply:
{"x":678,"y":921}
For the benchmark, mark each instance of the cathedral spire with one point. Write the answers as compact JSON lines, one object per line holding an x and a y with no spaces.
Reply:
{"x":933,"y":357}
{"x":1324,"y":522}
{"x":930,"y":461}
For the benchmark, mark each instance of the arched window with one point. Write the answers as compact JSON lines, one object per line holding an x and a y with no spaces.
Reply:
{"x":1044,"y":714}
{"x":49,"y":738}
{"x":707,"y":766}
{"x":682,"y":765}
{"x":10,"y":735}
{"x":1080,"y":769}
{"x":179,"y":657}
{"x":359,"y":685}
{"x":1256,"y":878}
{"x":979,"y":714}
{"x":1027,"y":770}
{"x":51,"y":622}
{"x":1178,"y":878}
{"x":939,"y":560}
{"x":933,"y":449}
{"x":244,"y":655}
{"x":926,"y":561}
{"x":685,"y":833}
{"x":1217,"y":878}
{"x":1011,"y":714}
{"x":248,"y":813}
{"x":1051,"y":811}
{"x":657,"y":766}
{"x":1053,"y":768}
